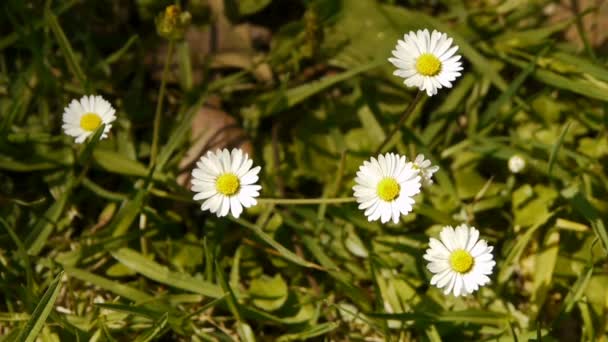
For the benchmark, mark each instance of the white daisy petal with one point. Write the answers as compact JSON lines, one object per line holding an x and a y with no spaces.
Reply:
{"x":385,"y":186}
{"x":226,"y":181}
{"x":235,"y":206}
{"x":225,"y":207}
{"x":425,"y":169}
{"x":459,"y":260}
{"x":82,"y":117}
{"x":212,"y":204}
{"x":426,"y":60}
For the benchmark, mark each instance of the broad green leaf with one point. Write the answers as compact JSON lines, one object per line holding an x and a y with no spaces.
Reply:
{"x":544,"y":265}
{"x":247,"y":7}
{"x":115,"y":162}
{"x":268,"y":293}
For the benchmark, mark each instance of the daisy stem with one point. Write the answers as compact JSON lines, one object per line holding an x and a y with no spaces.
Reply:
{"x":159,"y":103}
{"x":305,"y":201}
{"x":410,"y":108}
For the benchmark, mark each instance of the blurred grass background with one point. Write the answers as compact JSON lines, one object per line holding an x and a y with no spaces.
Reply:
{"x":95,"y":245}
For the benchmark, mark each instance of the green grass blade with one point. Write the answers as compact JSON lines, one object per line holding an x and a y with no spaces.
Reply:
{"x":110,"y":285}
{"x":314,"y":331}
{"x":490,"y":114}
{"x":127,"y":213}
{"x":297,"y":95}
{"x":577,"y":290}
{"x":115,"y":162}
{"x":284,"y":252}
{"x":233,"y":305}
{"x":66,"y":47}
{"x":157,"y":329}
{"x":163,"y":275}
{"x":480,"y":317}
{"x":179,"y":134}
{"x":516,"y":251}
{"x":22,"y":254}
{"x":589,"y":212}
{"x":556,"y":147}
{"x":90,"y":145}
{"x":43,"y":309}
{"x":40,"y":233}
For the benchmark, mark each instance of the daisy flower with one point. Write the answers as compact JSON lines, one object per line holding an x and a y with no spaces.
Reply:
{"x":82,"y":117}
{"x":226,"y":181}
{"x":459,"y":260}
{"x":426,"y":61}
{"x":516,"y":163}
{"x":425,"y":168}
{"x":385,"y":187}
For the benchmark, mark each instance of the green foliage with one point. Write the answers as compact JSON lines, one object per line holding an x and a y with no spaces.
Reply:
{"x":97,"y":245}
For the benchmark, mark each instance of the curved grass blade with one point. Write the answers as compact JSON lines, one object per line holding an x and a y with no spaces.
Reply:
{"x":22,"y":254}
{"x":43,"y":309}
{"x":162,"y":274}
{"x":480,"y":317}
{"x":581,"y":205}
{"x":65,"y":47}
{"x":157,"y":329}
{"x":284,"y":252}
{"x":109,"y":285}
{"x":556,"y":147}
{"x":39,"y":234}
{"x":314,"y":331}
{"x":243,"y":328}
{"x":86,"y":153}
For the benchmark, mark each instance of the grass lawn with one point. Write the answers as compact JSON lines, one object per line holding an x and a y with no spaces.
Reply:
{"x":221,"y":170}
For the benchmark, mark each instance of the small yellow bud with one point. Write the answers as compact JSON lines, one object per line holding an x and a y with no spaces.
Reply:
{"x":172,"y":23}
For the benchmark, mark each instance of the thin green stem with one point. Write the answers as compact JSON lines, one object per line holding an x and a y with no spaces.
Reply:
{"x":580,"y":27}
{"x":292,"y":201}
{"x":404,"y":116}
{"x":159,"y":104}
{"x":305,"y":201}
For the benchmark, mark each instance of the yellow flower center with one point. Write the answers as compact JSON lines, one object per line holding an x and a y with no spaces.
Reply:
{"x":428,"y":65}
{"x":388,"y":189}
{"x":461,"y":261}
{"x":227,"y":184}
{"x":90,"y":122}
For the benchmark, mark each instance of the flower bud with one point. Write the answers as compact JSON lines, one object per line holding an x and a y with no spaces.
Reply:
{"x":172,"y":23}
{"x":517,"y":163}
